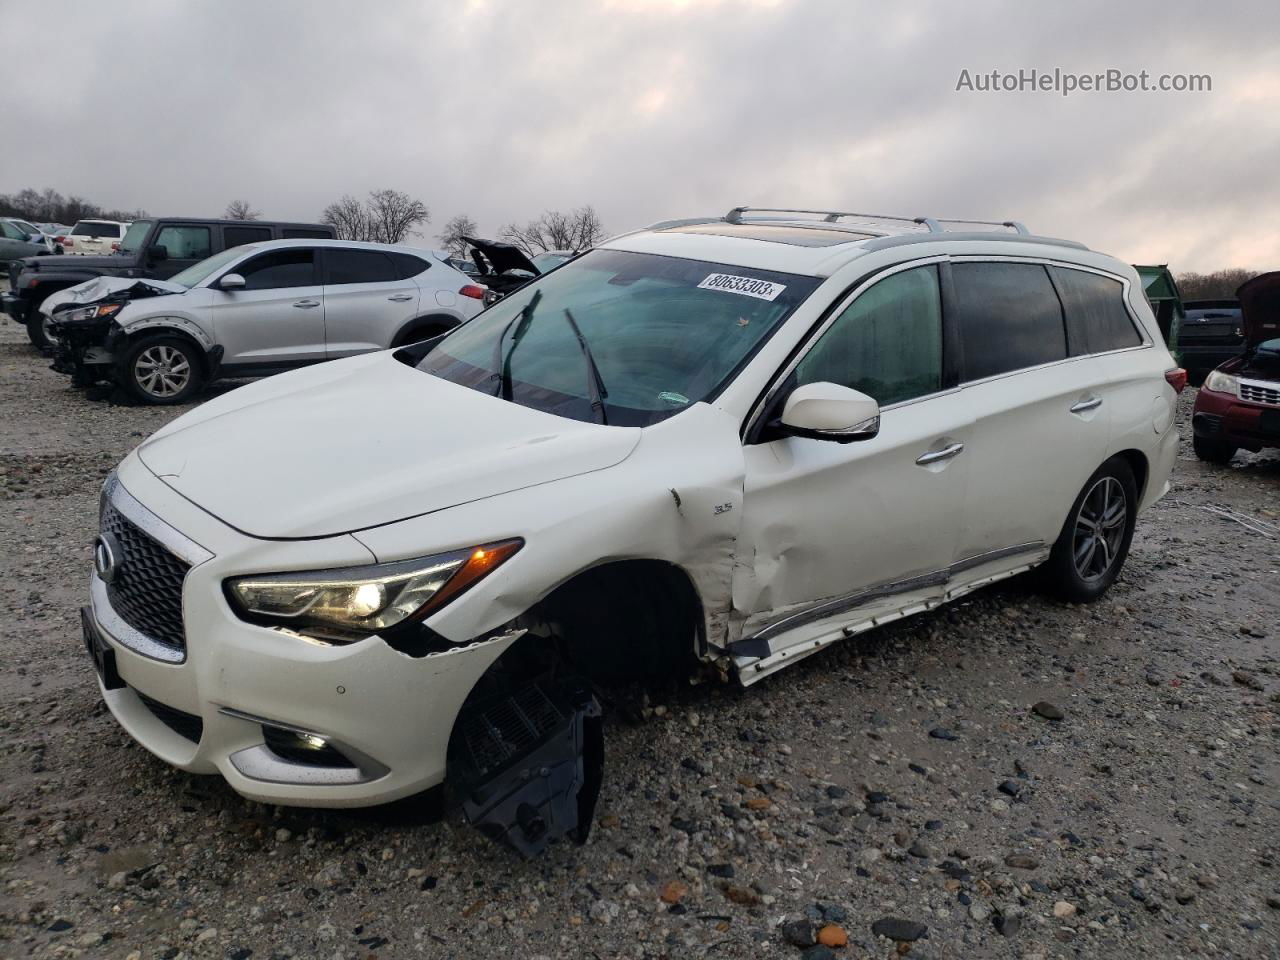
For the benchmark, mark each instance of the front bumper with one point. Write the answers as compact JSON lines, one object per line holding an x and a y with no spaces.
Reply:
{"x":206,"y":708}
{"x":1224,"y":416}
{"x":12,"y":304}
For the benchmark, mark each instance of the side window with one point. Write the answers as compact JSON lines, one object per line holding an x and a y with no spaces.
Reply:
{"x":280,"y":268}
{"x":184,"y":242}
{"x":9,"y":230}
{"x":407,"y":265}
{"x":1008,"y":316}
{"x":301,"y":233}
{"x":887,"y":343}
{"x":1096,"y":315}
{"x":238,"y":236}
{"x":358,"y":266}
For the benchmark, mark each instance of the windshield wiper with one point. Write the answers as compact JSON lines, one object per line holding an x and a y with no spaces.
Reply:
{"x":595,"y":382}
{"x":502,"y":364}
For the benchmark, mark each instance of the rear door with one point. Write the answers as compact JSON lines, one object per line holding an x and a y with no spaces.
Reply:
{"x":184,"y":244}
{"x":368,"y":297}
{"x":277,"y":319}
{"x":1041,"y":421}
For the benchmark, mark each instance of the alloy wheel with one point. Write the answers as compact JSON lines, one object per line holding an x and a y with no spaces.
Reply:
{"x":1099,"y":530}
{"x":162,"y":371}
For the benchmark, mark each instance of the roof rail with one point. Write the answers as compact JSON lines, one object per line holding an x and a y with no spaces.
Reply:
{"x":932,"y":224}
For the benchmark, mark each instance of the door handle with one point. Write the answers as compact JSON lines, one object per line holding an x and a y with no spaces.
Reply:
{"x":401,"y":297}
{"x":1093,"y":403}
{"x":306,"y":304}
{"x":937,"y":456}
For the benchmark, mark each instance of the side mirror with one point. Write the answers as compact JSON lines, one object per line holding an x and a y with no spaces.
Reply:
{"x":231,"y":281}
{"x":828,"y":411}
{"x":158,"y":253}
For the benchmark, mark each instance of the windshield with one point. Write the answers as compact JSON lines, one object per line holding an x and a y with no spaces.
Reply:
{"x":199,"y":271}
{"x":657,"y":334}
{"x":134,"y":236}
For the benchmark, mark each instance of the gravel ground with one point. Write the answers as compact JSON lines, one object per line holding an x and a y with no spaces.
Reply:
{"x":902,"y":785}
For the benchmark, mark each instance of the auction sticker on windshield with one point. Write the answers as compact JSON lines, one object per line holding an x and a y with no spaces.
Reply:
{"x":747,"y":286}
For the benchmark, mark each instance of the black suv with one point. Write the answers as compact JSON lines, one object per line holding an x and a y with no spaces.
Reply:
{"x":155,"y":248}
{"x":1211,"y":334}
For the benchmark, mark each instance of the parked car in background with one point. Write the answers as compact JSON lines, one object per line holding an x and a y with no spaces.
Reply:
{"x":1211,"y":333}
{"x":504,"y":267}
{"x":737,"y":440}
{"x":1161,"y":291}
{"x":252,"y":310}
{"x":35,"y":232}
{"x":93,"y":238}
{"x":1238,"y":407}
{"x":18,"y":242}
{"x":156,"y":248}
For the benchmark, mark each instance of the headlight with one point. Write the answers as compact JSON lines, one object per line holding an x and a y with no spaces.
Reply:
{"x":356,"y":602}
{"x":1220,"y":382}
{"x":80,"y":314}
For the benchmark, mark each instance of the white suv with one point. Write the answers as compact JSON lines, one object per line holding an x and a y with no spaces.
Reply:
{"x":95,"y":238}
{"x":251,"y":310}
{"x":736,"y":440}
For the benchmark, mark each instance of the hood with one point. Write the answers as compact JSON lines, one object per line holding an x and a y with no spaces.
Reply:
{"x":104,"y":264}
{"x":362,"y":442}
{"x":1260,"y":307}
{"x":103,"y":288}
{"x":492,"y":256}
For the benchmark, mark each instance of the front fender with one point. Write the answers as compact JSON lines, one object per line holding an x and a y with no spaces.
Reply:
{"x":176,"y":322}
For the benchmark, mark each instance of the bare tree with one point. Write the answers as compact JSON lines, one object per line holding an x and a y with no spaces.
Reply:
{"x":394,"y":214}
{"x":454,"y":235}
{"x":348,"y":217}
{"x":578,"y":229}
{"x":241,"y":210}
{"x":1219,"y":285}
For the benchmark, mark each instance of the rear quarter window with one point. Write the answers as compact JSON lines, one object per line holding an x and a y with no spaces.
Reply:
{"x":1008,"y":318}
{"x":1096,"y":316}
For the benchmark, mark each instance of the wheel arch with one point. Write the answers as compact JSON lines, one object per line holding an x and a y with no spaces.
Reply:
{"x":1141,"y":467}
{"x":436,"y":321}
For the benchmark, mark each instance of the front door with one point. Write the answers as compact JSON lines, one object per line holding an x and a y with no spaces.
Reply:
{"x":833,"y":532}
{"x":277,"y":318}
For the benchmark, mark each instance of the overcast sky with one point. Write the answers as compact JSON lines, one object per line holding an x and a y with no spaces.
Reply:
{"x":659,"y":108}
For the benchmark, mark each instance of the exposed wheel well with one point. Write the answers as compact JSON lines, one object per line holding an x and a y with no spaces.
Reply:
{"x":422,"y":328}
{"x":201,"y":354}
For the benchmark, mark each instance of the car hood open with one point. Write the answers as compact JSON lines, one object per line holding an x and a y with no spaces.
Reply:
{"x":1260,"y":307}
{"x":363,"y":442}
{"x":497,"y":257}
{"x":104,"y":288}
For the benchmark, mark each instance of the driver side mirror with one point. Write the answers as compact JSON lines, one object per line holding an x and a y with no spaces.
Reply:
{"x":158,"y":253}
{"x":828,"y":411}
{"x":231,"y":281}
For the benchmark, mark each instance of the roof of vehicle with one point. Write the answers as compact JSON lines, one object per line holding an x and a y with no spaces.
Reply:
{"x":99,"y":220}
{"x":818,"y":242}
{"x":328,"y":242}
{"x":240,"y":223}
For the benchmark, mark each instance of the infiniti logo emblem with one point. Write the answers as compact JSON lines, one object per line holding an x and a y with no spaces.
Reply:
{"x":106,"y":557}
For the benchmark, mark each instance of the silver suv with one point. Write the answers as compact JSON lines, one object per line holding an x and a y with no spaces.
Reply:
{"x":252,"y":310}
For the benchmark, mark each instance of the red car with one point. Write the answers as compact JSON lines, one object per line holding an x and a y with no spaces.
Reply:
{"x":1239,"y":404}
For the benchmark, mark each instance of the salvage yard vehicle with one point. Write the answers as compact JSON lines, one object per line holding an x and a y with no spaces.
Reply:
{"x":155,"y":248}
{"x":721,"y":443}
{"x":17,"y":241}
{"x":504,"y":267}
{"x":1211,"y":334}
{"x":253,"y":310}
{"x":93,"y":237}
{"x":1239,"y":404}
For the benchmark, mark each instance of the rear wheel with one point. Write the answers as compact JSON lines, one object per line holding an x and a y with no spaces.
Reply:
{"x":1094,"y":542}
{"x":1213,"y":449}
{"x":161,"y":370}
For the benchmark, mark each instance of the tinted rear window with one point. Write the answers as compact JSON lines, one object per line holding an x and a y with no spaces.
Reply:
{"x":1096,"y":315}
{"x":358,"y":266}
{"x":236,"y":236}
{"x":407,"y":265}
{"x":1008,"y":317}
{"x":93,"y":229}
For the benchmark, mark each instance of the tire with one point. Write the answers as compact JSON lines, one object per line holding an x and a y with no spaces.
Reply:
{"x":39,"y":336}
{"x":161,"y":370}
{"x":1094,"y":542}
{"x":1213,"y":449}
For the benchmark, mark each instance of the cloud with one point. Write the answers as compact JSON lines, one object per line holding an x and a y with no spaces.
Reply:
{"x":661,"y":109}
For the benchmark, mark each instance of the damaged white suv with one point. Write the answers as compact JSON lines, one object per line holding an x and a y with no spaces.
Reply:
{"x":734,"y":440}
